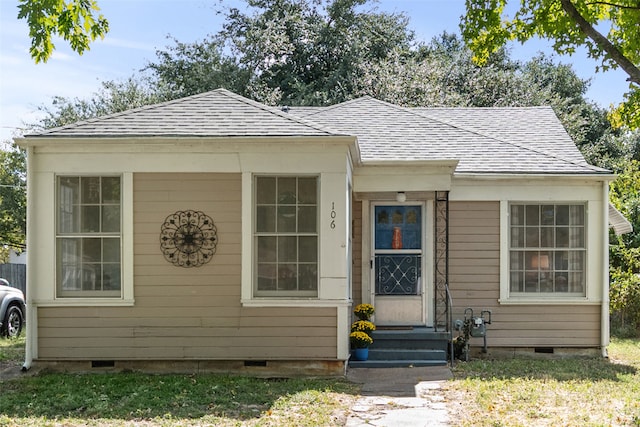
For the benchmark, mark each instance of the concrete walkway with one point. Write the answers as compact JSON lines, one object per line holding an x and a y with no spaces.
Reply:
{"x":399,"y":397}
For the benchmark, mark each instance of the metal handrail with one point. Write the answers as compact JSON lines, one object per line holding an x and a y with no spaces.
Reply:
{"x":450,"y":322}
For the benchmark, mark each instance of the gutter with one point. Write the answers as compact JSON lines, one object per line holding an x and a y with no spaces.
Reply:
{"x":595,"y":176}
{"x":31,"y":327}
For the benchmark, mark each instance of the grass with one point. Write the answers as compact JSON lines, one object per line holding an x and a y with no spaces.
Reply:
{"x":133,"y":399}
{"x":559,"y":392}
{"x":12,"y":350}
{"x":170,"y":400}
{"x":515,"y":392}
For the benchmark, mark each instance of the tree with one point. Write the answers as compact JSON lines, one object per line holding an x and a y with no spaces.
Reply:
{"x":309,"y":52}
{"x":442,"y":73}
{"x":112,"y":98}
{"x":13,"y":200}
{"x":443,"y":76}
{"x":625,"y":252}
{"x":186,"y":69}
{"x":76,"y":21}
{"x":487,"y":26}
{"x":613,"y":150}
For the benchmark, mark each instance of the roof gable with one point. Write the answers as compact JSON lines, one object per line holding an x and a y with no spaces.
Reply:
{"x":218,"y":113}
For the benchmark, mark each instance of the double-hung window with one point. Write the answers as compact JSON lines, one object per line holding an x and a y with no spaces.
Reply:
{"x":547,"y":249}
{"x":88,"y":236}
{"x":286,"y":236}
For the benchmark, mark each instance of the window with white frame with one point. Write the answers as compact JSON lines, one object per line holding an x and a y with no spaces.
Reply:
{"x":286,"y":236}
{"x":547,"y":249}
{"x":88,"y":237}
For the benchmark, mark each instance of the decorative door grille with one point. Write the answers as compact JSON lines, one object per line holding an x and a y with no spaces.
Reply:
{"x":398,"y":274}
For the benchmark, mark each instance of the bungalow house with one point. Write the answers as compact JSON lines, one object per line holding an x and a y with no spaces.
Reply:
{"x":216,"y":233}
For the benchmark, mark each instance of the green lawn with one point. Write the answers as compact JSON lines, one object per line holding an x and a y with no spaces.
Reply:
{"x":133,"y":399}
{"x":565,"y":392}
{"x":12,"y":350}
{"x":172,"y":400}
{"x":515,"y":392}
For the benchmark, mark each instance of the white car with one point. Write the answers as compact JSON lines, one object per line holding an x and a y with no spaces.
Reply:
{"x":12,"y":310}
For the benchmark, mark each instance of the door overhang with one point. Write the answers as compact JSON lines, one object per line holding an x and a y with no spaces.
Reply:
{"x":405,"y":175}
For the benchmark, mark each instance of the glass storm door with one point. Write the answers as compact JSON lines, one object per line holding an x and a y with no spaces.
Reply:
{"x":397,"y":264}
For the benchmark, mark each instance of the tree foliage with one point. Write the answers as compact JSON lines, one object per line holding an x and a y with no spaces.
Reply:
{"x":309,"y":52}
{"x":185,"y":69}
{"x":13,"y":200}
{"x":290,"y":46}
{"x":625,"y":251}
{"x":112,"y":98}
{"x":489,"y":24}
{"x":76,"y":21}
{"x":441,"y":73}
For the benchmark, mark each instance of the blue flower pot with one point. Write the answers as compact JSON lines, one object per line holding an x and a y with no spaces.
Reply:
{"x":361,"y":353}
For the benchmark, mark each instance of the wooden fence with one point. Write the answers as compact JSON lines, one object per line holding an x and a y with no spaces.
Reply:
{"x":16,"y":274}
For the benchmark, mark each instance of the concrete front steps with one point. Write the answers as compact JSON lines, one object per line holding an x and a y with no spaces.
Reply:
{"x":405,"y":347}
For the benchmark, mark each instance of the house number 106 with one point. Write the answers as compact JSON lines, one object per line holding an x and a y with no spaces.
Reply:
{"x":333,"y":215}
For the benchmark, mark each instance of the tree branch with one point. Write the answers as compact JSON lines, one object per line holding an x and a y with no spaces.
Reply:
{"x":629,"y":67}
{"x":621,"y":6}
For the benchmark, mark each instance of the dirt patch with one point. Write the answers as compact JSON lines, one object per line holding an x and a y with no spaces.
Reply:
{"x":9,"y":370}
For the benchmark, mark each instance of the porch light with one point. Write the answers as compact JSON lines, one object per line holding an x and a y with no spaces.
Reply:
{"x":401,"y":197}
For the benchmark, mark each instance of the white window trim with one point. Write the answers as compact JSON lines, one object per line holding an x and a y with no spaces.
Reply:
{"x":590,"y":297}
{"x":126,"y":297}
{"x":295,"y":294}
{"x":325,"y":298}
{"x":247,"y":295}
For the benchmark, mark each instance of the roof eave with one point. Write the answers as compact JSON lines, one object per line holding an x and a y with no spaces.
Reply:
{"x":411,"y":162}
{"x":492,"y":176}
{"x":44,"y":140}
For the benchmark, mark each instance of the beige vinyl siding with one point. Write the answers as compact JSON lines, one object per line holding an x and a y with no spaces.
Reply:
{"x":474,"y":278}
{"x":186,"y":313}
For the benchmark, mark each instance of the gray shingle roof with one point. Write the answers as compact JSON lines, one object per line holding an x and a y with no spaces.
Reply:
{"x":217,"y":113}
{"x":533,"y":127}
{"x":484,"y":140}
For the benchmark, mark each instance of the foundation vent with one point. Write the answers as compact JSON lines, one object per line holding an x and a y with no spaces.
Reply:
{"x":103,"y":364}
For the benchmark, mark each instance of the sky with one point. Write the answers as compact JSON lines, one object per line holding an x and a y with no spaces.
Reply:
{"x":138,"y":28}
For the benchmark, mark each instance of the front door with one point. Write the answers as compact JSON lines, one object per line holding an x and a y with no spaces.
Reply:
{"x":398,"y":264}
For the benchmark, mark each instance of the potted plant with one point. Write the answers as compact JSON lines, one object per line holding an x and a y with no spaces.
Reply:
{"x":363,"y":326}
{"x":360,"y":341}
{"x":364,"y":311}
{"x":361,"y":331}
